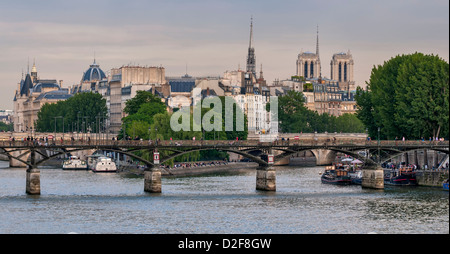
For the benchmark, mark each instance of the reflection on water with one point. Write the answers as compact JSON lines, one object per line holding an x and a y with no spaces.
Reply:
{"x":85,"y":202}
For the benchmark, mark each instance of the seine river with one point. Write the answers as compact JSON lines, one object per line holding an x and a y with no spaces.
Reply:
{"x":85,"y":202}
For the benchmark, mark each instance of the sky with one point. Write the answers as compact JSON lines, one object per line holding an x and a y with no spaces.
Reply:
{"x":210,"y":37}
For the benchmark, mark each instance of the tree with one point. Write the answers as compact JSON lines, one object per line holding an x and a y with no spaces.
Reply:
{"x":407,"y":96}
{"x":141,"y":111}
{"x":89,"y":108}
{"x":294,"y":117}
{"x":6,"y":127}
{"x":349,"y":123}
{"x":133,"y":105}
{"x":364,"y":111}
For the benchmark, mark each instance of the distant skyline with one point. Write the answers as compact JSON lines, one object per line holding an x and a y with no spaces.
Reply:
{"x":210,"y":37}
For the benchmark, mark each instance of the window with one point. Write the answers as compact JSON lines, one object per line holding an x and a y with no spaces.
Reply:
{"x":345,"y":71}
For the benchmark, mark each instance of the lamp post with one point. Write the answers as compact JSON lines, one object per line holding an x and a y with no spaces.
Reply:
{"x":78,"y":123}
{"x":62,"y":125}
{"x":85,"y":122}
{"x":379,"y":159}
{"x":149,"y":129}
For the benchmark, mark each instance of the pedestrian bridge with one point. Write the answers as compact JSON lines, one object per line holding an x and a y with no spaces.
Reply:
{"x":33,"y":153}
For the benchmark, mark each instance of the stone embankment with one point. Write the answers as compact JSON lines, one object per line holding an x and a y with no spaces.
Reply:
{"x":431,"y":178}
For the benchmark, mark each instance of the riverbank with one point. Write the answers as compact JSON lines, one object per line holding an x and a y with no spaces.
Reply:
{"x":431,"y":178}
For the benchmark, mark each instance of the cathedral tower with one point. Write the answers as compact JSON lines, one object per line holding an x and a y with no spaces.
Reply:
{"x":308,"y":63}
{"x":342,"y":67}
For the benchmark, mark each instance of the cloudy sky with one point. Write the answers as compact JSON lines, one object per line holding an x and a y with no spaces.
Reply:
{"x":210,"y":36}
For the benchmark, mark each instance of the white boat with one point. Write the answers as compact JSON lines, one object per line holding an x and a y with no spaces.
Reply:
{"x":101,"y":163}
{"x":74,"y":163}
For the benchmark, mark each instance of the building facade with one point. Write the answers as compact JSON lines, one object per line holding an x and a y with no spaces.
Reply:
{"x":31,"y":94}
{"x":342,"y":70}
{"x":124,"y":83}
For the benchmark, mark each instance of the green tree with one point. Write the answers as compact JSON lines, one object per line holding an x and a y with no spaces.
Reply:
{"x":294,"y":117}
{"x":364,"y":111}
{"x":6,"y":127}
{"x":141,"y":111}
{"x":349,"y":123}
{"x":89,"y":108}
{"x":133,"y":105}
{"x":407,"y":96}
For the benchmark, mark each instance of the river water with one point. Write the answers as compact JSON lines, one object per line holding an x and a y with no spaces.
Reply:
{"x":85,"y":202}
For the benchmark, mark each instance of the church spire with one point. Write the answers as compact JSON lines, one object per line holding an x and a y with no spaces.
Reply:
{"x":251,"y":59}
{"x":34,"y":71}
{"x":317,"y":41}
{"x":317,"y":54}
{"x":261,"y":73}
{"x":251,"y":33}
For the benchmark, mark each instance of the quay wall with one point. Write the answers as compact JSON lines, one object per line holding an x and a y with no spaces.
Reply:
{"x":431,"y":178}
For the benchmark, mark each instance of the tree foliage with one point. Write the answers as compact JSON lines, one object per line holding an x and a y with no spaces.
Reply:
{"x":6,"y":127}
{"x":149,"y":120}
{"x":294,"y":117}
{"x":82,"y":111}
{"x":407,"y":96}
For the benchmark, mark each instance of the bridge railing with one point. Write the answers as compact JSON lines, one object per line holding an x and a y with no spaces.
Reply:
{"x":240,"y":143}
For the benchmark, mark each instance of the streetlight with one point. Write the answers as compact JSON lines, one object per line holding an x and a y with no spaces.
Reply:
{"x":379,"y":159}
{"x":62,"y":125}
{"x":378,"y":136}
{"x":149,"y":129}
{"x":85,"y":123}
{"x":78,"y":122}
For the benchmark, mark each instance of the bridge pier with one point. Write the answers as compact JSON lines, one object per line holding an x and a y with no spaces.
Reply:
{"x":373,"y":177}
{"x":33,"y":183}
{"x":152,"y":180}
{"x":266,"y":178}
{"x":324,"y":157}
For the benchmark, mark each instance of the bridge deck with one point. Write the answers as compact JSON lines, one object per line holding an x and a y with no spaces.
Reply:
{"x":224,"y":143}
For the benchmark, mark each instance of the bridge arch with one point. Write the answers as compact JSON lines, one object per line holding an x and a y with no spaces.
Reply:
{"x":246,"y":155}
{"x":63,"y":151}
{"x":289,"y":152}
{"x":399,"y":153}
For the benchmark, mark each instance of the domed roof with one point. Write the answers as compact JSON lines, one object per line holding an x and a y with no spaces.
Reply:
{"x":94,"y":73}
{"x":38,"y":88}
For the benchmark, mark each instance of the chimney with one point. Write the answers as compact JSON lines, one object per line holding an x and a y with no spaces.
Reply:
{"x":207,"y":91}
{"x":60,"y":83}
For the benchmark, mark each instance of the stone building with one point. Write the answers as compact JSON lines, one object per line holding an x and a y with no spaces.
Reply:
{"x":32,"y":93}
{"x":130,"y":74}
{"x":342,"y":70}
{"x":92,"y":80}
{"x":123,"y":85}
